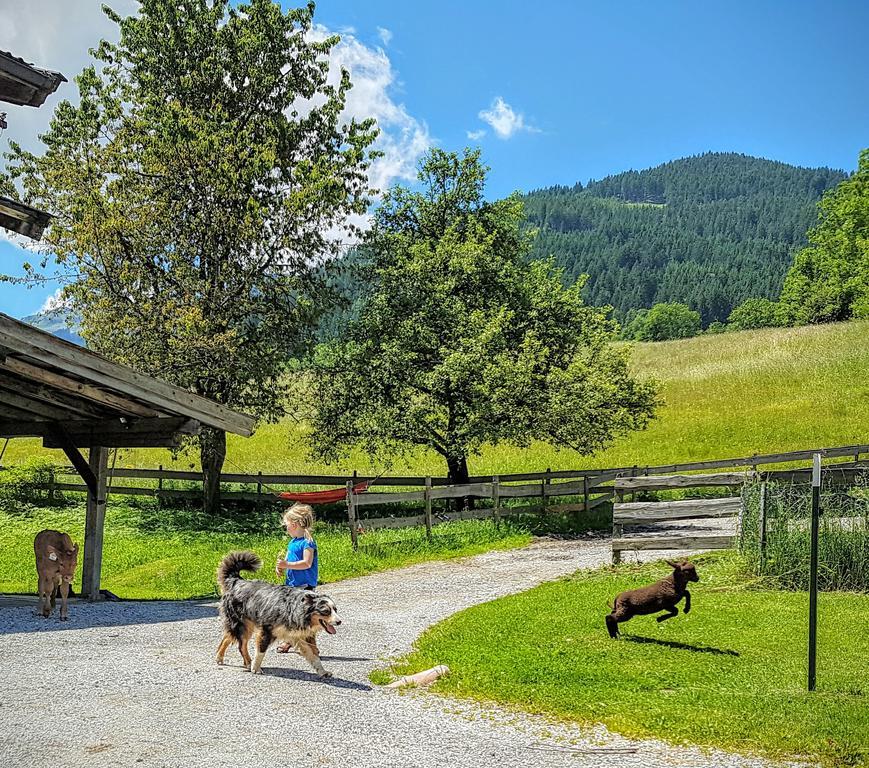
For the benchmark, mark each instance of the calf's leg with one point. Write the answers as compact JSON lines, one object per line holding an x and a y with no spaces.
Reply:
{"x":687,"y":602}
{"x":64,"y":593}
{"x":671,"y":612}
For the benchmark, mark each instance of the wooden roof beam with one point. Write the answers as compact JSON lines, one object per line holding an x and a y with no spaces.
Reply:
{"x":74,"y":387}
{"x":47,"y":349}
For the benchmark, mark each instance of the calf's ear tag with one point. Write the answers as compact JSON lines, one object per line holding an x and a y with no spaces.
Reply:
{"x":52,"y":555}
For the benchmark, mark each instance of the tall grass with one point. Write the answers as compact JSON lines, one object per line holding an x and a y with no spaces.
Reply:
{"x":843,"y":536}
{"x":733,"y":394}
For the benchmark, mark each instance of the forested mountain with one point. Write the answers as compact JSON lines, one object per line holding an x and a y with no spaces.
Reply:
{"x":708,"y":231}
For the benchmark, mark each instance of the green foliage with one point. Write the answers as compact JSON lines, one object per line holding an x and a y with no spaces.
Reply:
{"x":709,"y":231}
{"x":664,"y":322}
{"x":716,"y":327}
{"x":829,"y":280}
{"x":462,"y":342}
{"x":145,"y":560}
{"x":730,"y":674}
{"x":19,"y":484}
{"x":192,"y":189}
{"x":755,"y":313}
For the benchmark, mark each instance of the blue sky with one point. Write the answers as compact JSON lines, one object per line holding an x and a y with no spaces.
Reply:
{"x":565,"y":91}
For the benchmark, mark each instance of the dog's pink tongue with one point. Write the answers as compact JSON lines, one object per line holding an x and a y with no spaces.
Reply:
{"x":330,"y":628}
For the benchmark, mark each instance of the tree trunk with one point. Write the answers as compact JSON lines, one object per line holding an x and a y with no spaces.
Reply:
{"x":458,"y":475}
{"x":212,"y":452}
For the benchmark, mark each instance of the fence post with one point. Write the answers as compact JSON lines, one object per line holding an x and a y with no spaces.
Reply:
{"x":762,"y":525}
{"x":351,"y":515}
{"x":496,"y":500}
{"x":160,"y":478}
{"x":428,"y":508}
{"x":543,"y":483}
{"x":813,"y":569}
{"x":618,"y":529}
{"x":259,"y":483}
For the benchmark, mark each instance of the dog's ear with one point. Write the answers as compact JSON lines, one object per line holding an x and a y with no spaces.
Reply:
{"x":309,"y":598}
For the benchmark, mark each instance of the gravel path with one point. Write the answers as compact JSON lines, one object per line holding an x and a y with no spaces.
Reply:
{"x":128,"y":684}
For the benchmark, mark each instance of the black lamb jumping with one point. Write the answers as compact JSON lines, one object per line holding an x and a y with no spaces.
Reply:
{"x":660,"y":596}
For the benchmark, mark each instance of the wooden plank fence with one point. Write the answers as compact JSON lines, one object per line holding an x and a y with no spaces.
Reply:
{"x":649,"y":512}
{"x":593,"y":485}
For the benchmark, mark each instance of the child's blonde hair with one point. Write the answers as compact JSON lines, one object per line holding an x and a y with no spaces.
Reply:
{"x":303,"y":516}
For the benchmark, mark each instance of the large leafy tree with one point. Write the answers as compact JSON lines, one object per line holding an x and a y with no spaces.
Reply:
{"x":193,"y":188}
{"x":462,"y":342}
{"x":829,"y":280}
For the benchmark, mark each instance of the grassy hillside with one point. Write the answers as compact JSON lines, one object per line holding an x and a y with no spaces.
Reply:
{"x":728,"y":395}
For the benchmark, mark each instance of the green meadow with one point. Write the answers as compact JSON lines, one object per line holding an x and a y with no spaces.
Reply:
{"x":730,"y":674}
{"x":733,"y":394}
{"x":156,"y":553}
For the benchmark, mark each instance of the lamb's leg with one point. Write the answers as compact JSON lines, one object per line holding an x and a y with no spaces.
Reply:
{"x":612,"y":625}
{"x":687,"y":602}
{"x":671,"y":612}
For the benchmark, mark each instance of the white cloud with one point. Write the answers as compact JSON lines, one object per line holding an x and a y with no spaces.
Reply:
{"x":504,"y":120}
{"x":55,"y":301}
{"x":385,"y":35}
{"x":403,"y":139}
{"x":56,"y":35}
{"x":476,"y":135}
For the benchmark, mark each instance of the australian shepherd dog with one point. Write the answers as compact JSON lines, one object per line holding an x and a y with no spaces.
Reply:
{"x":271,"y":612}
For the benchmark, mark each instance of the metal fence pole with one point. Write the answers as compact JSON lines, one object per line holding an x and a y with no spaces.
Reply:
{"x":813,"y":570}
{"x":762,"y":525}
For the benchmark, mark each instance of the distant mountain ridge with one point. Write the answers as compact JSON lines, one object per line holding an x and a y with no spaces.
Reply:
{"x":55,"y":321}
{"x":709,"y":231}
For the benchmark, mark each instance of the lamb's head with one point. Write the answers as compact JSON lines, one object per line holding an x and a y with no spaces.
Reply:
{"x":685,"y":570}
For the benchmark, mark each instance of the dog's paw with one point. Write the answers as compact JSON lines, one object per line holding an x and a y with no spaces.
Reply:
{"x":219,"y":662}
{"x":324,"y":674}
{"x":257,"y":671}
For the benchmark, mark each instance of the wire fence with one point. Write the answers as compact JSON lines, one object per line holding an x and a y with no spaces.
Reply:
{"x":775,"y":531}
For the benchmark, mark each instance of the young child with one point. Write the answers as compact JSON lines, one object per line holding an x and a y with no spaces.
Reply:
{"x":300,"y":563}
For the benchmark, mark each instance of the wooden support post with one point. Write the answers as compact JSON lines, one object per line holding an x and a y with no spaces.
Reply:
{"x":496,"y":500}
{"x":351,"y":516}
{"x":95,"y":518}
{"x":762,"y":525}
{"x":428,"y":508}
{"x":160,"y":479}
{"x":584,"y":501}
{"x":618,"y":530}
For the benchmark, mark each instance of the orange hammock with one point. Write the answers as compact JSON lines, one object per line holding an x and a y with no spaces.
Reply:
{"x":323,"y":497}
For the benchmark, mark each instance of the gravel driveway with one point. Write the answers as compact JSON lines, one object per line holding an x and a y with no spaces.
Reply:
{"x":128,"y":684}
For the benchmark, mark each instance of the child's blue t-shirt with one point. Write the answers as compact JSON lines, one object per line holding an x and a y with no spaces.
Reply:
{"x":295,"y":551}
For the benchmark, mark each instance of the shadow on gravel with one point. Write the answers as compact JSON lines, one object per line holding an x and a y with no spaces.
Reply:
{"x":310,"y":677}
{"x":680,"y":646}
{"x":84,"y":615}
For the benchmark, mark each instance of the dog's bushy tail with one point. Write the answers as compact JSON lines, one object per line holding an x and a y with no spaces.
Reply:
{"x":234,"y":563}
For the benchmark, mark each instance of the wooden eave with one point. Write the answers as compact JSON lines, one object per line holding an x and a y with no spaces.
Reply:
{"x":21,"y":218}
{"x":70,"y":396}
{"x":25,"y":85}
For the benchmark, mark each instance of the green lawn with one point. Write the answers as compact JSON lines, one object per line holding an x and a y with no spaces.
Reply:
{"x":731,"y":394}
{"x":154,"y":553}
{"x":731,"y":674}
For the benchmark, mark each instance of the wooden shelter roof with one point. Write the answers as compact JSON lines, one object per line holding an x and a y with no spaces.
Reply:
{"x":23,"y":84}
{"x":70,"y":396}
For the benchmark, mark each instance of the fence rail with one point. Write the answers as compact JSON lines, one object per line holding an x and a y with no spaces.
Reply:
{"x":602,"y":484}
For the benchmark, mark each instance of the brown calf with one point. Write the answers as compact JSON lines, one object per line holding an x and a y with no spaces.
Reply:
{"x":56,"y":559}
{"x":660,"y":596}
